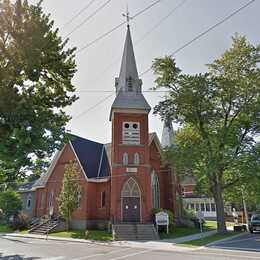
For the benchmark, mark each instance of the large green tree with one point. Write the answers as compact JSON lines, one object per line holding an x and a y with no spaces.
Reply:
{"x":36,"y":71}
{"x":219,"y":117}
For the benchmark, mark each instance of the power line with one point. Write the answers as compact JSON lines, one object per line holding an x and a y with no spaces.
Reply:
{"x":78,"y":14}
{"x":191,"y":41}
{"x":112,"y":91}
{"x":92,"y":107}
{"x":172,"y":11}
{"x":116,"y":27}
{"x":205,"y":32}
{"x":89,"y":17}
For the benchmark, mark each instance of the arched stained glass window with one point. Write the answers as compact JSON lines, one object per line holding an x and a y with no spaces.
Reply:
{"x":125,"y":159}
{"x":155,"y":190}
{"x":131,"y":189}
{"x":136,"y":159}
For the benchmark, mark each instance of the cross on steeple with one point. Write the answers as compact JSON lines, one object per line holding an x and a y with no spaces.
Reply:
{"x":127,"y":16}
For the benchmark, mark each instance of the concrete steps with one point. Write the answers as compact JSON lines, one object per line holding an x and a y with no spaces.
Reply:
{"x":45,"y":227}
{"x":128,"y":232}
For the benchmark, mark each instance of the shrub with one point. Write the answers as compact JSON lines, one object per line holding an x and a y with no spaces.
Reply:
{"x":20,"y":222}
{"x":10,"y":203}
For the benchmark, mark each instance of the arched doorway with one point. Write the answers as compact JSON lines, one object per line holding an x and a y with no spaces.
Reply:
{"x":130,"y":197}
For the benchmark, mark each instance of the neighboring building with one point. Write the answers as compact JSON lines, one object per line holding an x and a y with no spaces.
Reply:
{"x":120,"y":182}
{"x":194,"y":201}
{"x":27,"y":193}
{"x":190,"y":199}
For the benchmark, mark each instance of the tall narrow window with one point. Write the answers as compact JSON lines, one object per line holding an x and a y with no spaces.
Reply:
{"x":79,"y":198}
{"x":125,"y":159}
{"x":42,"y":200}
{"x":29,"y":201}
{"x":155,"y":191}
{"x":103,"y":199}
{"x":136,"y":159}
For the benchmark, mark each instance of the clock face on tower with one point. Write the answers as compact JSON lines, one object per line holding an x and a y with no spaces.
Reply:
{"x":131,"y":133}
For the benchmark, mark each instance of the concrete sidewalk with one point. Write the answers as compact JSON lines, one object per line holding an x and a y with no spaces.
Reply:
{"x":165,"y":244}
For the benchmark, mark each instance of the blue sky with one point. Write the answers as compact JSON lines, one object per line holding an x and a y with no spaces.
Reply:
{"x":99,"y":64}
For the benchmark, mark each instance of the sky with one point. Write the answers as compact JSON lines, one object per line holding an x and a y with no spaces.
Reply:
{"x":99,"y":65}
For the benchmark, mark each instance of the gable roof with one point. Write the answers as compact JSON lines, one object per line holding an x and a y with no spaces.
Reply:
{"x":92,"y":157}
{"x":26,"y":187}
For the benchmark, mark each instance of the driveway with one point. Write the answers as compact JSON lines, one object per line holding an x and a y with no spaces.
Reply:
{"x":247,"y":242}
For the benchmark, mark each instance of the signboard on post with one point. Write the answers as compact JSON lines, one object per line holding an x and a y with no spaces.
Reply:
{"x":200,"y":216}
{"x":162,"y":219}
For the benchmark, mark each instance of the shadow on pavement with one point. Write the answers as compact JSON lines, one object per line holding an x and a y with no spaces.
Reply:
{"x":16,"y":257}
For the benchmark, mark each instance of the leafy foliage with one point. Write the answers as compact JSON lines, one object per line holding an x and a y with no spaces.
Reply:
{"x":219,"y":115}
{"x":10,"y":203}
{"x":69,"y":196}
{"x":35,"y":86}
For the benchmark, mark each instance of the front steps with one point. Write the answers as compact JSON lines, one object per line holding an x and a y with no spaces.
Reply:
{"x":46,"y":227}
{"x":135,"y":232}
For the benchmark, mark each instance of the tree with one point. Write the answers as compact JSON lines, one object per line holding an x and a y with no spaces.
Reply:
{"x":219,"y":115}
{"x":10,"y":203}
{"x":69,"y":196}
{"x":35,"y":86}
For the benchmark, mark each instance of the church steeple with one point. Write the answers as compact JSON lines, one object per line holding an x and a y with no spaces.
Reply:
{"x":168,"y":134}
{"x":128,"y":85}
{"x":128,"y":80}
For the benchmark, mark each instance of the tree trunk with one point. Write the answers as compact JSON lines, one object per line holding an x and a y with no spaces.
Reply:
{"x":221,"y":224}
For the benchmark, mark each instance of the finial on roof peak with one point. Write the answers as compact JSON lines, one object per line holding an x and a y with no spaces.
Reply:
{"x":127,"y":16}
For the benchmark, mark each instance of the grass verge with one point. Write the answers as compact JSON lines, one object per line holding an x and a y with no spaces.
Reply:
{"x":206,"y":240}
{"x":177,"y":232}
{"x":97,"y":235}
{"x":5,"y":229}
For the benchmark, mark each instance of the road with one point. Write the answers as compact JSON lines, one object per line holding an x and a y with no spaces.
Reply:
{"x":31,"y":249}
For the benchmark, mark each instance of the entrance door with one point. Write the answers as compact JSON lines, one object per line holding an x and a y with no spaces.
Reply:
{"x":131,"y":209}
{"x":130,"y":197}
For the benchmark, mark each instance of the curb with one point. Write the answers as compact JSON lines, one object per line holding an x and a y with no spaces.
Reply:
{"x":75,"y":240}
{"x":224,"y":239}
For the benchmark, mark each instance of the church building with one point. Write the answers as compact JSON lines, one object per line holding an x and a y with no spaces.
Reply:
{"x":123,"y":181}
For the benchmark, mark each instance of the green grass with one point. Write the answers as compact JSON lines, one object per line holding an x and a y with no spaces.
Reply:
{"x":97,"y":235}
{"x":23,"y":232}
{"x":5,"y":229}
{"x":177,"y":232}
{"x":206,"y":240}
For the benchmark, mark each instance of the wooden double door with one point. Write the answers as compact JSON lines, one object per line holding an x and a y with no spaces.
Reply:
{"x":131,"y":209}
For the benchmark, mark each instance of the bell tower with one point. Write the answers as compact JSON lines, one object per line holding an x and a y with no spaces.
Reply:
{"x":130,"y":178}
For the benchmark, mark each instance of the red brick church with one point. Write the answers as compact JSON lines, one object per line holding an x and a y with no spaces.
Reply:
{"x":123,"y":181}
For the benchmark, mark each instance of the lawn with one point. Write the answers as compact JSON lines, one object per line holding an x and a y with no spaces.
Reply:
{"x":177,"y":232}
{"x":97,"y":235}
{"x":5,"y":229}
{"x":206,"y":240}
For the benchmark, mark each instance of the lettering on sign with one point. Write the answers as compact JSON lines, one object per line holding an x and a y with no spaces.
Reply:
{"x":162,"y":218}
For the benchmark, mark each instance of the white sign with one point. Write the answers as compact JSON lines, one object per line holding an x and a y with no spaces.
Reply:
{"x":162,"y":219}
{"x":132,"y":170}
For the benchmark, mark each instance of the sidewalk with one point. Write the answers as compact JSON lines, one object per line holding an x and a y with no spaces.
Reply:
{"x":165,"y":244}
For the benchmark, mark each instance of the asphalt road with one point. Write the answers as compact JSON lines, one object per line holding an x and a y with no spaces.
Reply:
{"x":31,"y":249}
{"x":247,"y":242}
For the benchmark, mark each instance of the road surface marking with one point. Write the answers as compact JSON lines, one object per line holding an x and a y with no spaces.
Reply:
{"x":102,"y":254}
{"x":129,"y":255}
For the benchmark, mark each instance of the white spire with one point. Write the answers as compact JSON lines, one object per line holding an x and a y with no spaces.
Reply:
{"x":167,"y":134}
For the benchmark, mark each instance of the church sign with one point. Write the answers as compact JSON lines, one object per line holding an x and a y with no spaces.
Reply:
{"x":162,"y":219}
